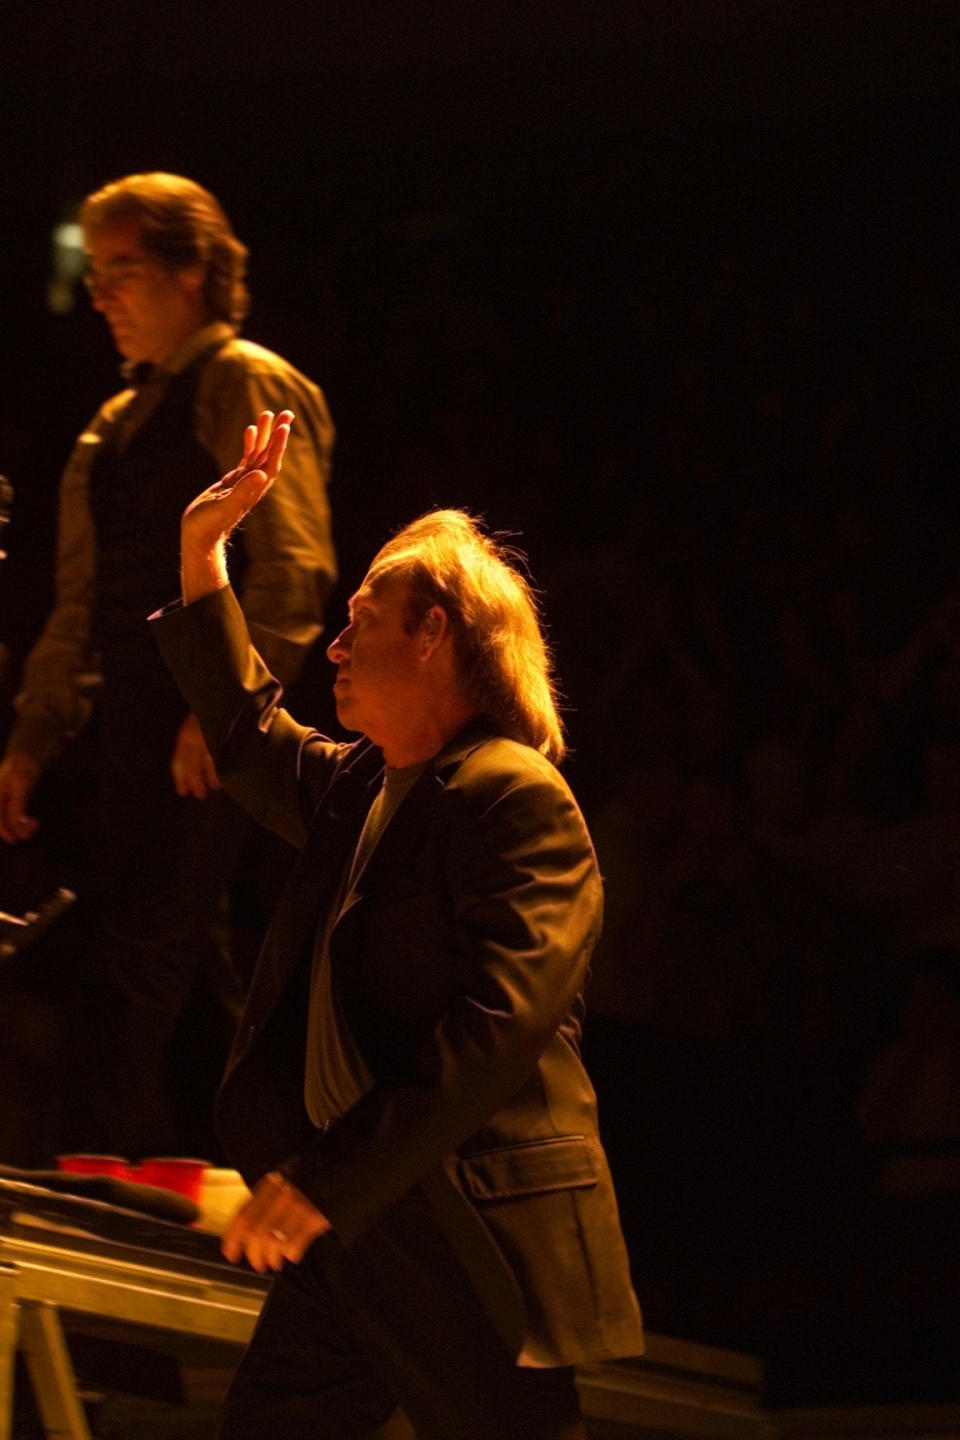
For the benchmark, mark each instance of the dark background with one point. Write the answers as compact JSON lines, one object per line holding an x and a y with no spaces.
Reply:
{"x":670,"y":291}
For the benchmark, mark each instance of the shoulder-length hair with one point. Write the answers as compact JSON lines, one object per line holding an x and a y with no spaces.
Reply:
{"x":181,"y":225}
{"x":502,"y":661}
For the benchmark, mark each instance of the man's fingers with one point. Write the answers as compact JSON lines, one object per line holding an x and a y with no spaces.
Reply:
{"x":263,"y":447}
{"x":191,"y":763}
{"x":251,"y":1250}
{"x":232,"y":1245}
{"x":268,"y":422}
{"x":271,"y":432}
{"x":209,"y":770}
{"x":10,"y":819}
{"x":237,"y":1236}
{"x":278,"y":445}
{"x":264,"y":426}
{"x":283,"y":1239}
{"x":15,"y":823}
{"x":295,"y":1245}
{"x":18,"y":827}
{"x":254,"y":1240}
{"x":186,"y":785}
{"x":278,"y":1223}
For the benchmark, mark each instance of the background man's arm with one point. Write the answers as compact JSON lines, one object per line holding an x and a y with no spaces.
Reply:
{"x":54,"y":700}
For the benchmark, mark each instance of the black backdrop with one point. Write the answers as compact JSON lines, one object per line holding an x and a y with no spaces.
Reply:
{"x":671,"y":291}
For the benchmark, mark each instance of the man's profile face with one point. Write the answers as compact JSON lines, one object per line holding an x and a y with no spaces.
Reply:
{"x":150,"y":310}
{"x":377,"y":688}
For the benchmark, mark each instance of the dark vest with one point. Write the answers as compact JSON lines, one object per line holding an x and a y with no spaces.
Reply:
{"x":137,"y":497}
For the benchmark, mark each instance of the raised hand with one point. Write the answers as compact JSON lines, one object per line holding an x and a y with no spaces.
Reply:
{"x":210,"y":518}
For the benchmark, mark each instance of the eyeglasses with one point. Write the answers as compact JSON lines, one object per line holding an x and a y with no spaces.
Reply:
{"x":113,"y":274}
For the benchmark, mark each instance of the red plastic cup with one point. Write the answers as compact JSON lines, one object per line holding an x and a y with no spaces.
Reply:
{"x":174,"y":1172}
{"x":95,"y":1165}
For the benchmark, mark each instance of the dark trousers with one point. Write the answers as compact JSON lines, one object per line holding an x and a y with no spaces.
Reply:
{"x":155,"y":954}
{"x":347,"y":1336}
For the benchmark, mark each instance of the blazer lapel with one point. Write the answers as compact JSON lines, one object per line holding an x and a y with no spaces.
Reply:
{"x":402,"y":839}
{"x":312,"y":885}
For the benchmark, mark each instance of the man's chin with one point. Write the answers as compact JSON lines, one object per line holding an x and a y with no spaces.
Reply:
{"x":126,"y":347}
{"x":344,"y":718}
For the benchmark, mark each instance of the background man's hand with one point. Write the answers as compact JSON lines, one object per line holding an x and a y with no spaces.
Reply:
{"x":213,"y":515}
{"x":191,"y":764}
{"x":278,"y":1223}
{"x":19,"y":774}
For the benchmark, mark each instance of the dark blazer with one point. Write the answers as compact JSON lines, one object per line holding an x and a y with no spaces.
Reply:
{"x":459,"y":967}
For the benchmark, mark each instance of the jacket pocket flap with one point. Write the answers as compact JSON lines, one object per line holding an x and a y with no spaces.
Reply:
{"x":533,"y":1168}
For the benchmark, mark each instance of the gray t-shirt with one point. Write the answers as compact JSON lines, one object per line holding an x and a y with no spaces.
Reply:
{"x":335,"y":1073}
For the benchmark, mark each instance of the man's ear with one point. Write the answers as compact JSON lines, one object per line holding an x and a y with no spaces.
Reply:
{"x":433,"y":628}
{"x":193,"y":277}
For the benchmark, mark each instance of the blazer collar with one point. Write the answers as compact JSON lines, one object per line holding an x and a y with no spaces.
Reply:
{"x":355,"y":784}
{"x":399,"y":838}
{"x":456,"y":750}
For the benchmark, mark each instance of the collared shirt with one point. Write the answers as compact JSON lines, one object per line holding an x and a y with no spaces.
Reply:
{"x":287,"y":537}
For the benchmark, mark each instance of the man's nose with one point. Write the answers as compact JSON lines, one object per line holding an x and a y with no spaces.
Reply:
{"x":339,"y":648}
{"x":101,"y":292}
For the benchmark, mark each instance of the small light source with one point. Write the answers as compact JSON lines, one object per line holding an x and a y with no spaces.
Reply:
{"x":67,"y":262}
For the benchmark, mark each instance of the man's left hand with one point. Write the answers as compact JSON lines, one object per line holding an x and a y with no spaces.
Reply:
{"x":191,"y":764}
{"x":278,"y":1223}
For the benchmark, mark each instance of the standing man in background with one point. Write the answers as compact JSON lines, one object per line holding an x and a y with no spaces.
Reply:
{"x":167,"y":273}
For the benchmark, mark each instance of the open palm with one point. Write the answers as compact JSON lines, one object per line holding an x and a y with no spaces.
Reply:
{"x":218,"y":510}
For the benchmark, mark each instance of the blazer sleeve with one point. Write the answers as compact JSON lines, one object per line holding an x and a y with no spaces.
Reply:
{"x":276,"y":768}
{"x":526,"y":914}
